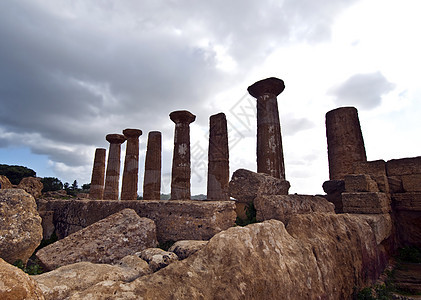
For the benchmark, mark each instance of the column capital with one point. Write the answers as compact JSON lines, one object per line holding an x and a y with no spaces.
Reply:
{"x":132,"y":133}
{"x":271,"y":86}
{"x":182,"y":116}
{"x":115,"y":138}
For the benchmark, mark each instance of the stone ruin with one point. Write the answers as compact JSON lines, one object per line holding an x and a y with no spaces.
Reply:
{"x":369,"y":209}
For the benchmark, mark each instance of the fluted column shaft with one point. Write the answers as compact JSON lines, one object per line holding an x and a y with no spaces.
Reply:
{"x":131,"y":165}
{"x":112,"y":176}
{"x":218,"y":159}
{"x":96,"y":190}
{"x":270,"y":156}
{"x":181,"y":172}
{"x":344,"y":141}
{"x":152,"y":178}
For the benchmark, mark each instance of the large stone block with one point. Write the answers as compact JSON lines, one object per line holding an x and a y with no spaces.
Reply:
{"x":334,"y":190}
{"x":32,"y":186}
{"x":106,"y":241}
{"x":283,"y":207}
{"x":395,"y":184}
{"x":365,"y":203}
{"x":381,"y":225}
{"x":20,"y":225}
{"x":16,"y":285}
{"x":407,"y":201}
{"x":404,"y":166}
{"x":5,"y":183}
{"x":408,"y":224}
{"x":246,"y":185}
{"x":377,"y":170}
{"x":360,"y":183}
{"x":318,"y":256}
{"x":411,"y":183}
{"x":175,"y":220}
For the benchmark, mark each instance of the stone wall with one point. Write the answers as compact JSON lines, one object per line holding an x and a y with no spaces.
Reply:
{"x":175,"y":220}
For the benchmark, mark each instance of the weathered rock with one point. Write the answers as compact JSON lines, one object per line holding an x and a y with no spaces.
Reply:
{"x":344,"y":141}
{"x":404,"y":166}
{"x":47,"y":223}
{"x":265,"y":261}
{"x":20,"y":225}
{"x":360,"y":183}
{"x":366,"y":203}
{"x":411,"y":183}
{"x":246,"y":185}
{"x":334,"y":190}
{"x":157,"y":258}
{"x":16,"y":285}
{"x":377,"y":170}
{"x":407,"y":208}
{"x":184,"y":249}
{"x":283,"y":207}
{"x":106,"y":241}
{"x":32,"y":186}
{"x":381,"y":224}
{"x":67,"y":280}
{"x":5,"y":183}
{"x":175,"y":220}
{"x":395,"y":184}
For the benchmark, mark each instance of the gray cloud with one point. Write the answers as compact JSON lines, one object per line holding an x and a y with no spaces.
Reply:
{"x":74,"y":71}
{"x":363,"y":90}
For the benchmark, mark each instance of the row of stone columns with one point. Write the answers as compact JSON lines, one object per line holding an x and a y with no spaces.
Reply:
{"x":270,"y":158}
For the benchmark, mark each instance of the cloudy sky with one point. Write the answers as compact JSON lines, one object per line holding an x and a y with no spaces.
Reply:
{"x":73,"y":71}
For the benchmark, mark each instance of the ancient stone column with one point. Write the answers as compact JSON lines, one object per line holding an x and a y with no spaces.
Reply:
{"x":131,"y":165}
{"x":218,"y":159}
{"x":345,"y":142}
{"x":152,"y":179}
{"x":98,"y":173}
{"x":180,"y":178}
{"x":270,"y":156}
{"x":112,"y":176}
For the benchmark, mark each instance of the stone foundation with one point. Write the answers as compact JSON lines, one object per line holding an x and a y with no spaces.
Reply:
{"x":175,"y":220}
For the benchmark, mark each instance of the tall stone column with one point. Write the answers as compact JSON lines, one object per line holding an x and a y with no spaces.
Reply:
{"x":181,"y":172}
{"x":270,"y":156}
{"x":152,"y":178}
{"x":345,"y":142}
{"x":218,"y":159}
{"x":112,"y":176}
{"x":98,"y":173}
{"x":131,"y":165}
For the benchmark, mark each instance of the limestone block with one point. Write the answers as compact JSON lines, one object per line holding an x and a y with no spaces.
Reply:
{"x":157,"y":258}
{"x":106,"y":241}
{"x":407,"y":201}
{"x":411,"y":183}
{"x":16,"y":285}
{"x":246,"y":185}
{"x":381,"y":225}
{"x":265,"y":261}
{"x":366,"y":203}
{"x":377,"y":170}
{"x":64,"y":281}
{"x":32,"y":186}
{"x":395,"y":184}
{"x":20,"y":225}
{"x":283,"y":207}
{"x":5,"y":183}
{"x":404,"y":166}
{"x":408,"y":224}
{"x":360,"y":183}
{"x":184,"y":249}
{"x":47,"y":223}
{"x":175,"y":220}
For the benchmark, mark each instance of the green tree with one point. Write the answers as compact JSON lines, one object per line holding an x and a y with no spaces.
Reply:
{"x":74,"y":186}
{"x":86,"y":187}
{"x":16,"y":173}
{"x":51,"y":184}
